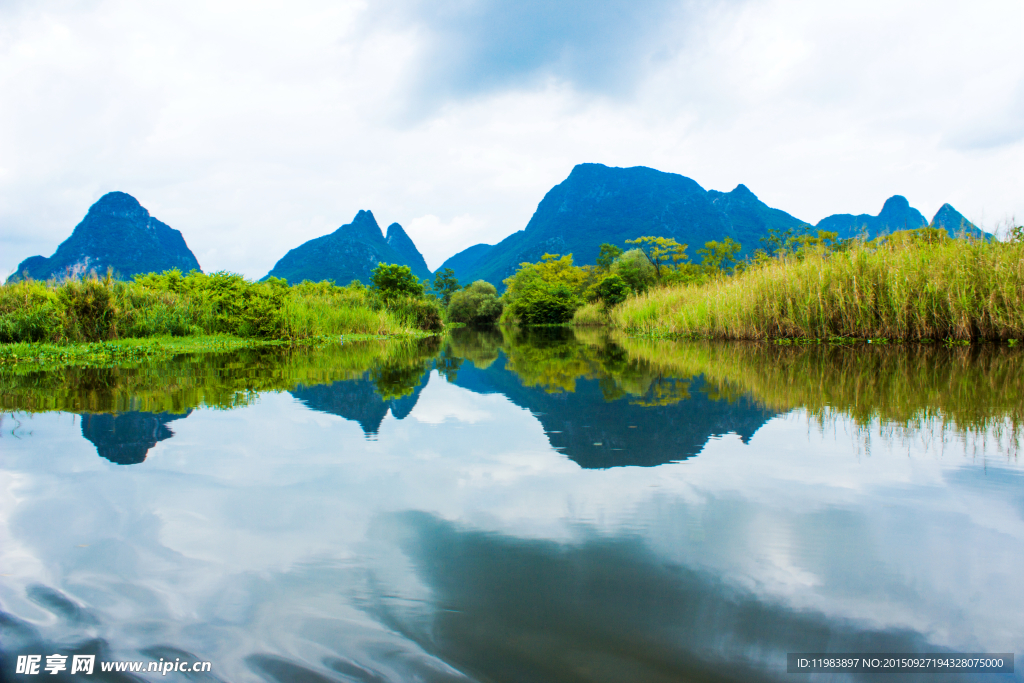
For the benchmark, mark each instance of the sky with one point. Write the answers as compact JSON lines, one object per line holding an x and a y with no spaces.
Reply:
{"x":253,"y":127}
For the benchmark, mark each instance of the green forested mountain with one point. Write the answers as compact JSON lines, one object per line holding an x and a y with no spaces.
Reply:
{"x":117,"y":233}
{"x":598,"y":204}
{"x":350,"y":253}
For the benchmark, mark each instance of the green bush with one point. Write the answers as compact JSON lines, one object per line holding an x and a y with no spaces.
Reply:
{"x":635,"y":269}
{"x":552,"y":305}
{"x":547,"y":292}
{"x":477,"y":303}
{"x":613,"y":290}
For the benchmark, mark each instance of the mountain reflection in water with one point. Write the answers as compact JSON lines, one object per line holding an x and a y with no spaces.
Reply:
{"x":125,"y":438}
{"x":593,"y":424}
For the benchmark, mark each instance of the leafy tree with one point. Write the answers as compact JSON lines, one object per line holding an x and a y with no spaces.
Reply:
{"x":445,"y":285}
{"x":393,"y":280}
{"x":719,"y":255}
{"x":477,"y":303}
{"x":775,"y":242}
{"x":635,"y":269}
{"x":612,"y":290}
{"x":660,"y":251}
{"x":547,"y":292}
{"x":606,"y":257}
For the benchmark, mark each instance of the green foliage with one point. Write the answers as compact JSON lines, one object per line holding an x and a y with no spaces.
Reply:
{"x":607,"y":255}
{"x":1016,"y":233}
{"x":89,"y":309}
{"x":660,"y":251}
{"x":635,"y":269}
{"x":548,"y":292}
{"x":478,"y":303}
{"x":445,"y":285}
{"x":613,"y":289}
{"x":719,"y":256}
{"x":392,"y":280}
{"x":169,"y":303}
{"x":418,"y":312}
{"x":592,"y":314}
{"x":911,"y":238}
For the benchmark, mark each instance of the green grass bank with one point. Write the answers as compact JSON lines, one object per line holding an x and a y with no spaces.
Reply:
{"x":205,"y":308}
{"x":905,"y":287}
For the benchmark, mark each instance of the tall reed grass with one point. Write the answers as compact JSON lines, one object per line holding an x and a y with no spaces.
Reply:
{"x":901,"y":289}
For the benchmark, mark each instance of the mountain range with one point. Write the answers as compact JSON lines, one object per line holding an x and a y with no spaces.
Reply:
{"x":119,"y":234}
{"x":595,"y":204}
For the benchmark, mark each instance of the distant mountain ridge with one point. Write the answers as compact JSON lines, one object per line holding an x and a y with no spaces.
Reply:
{"x":593,"y":205}
{"x":117,"y":233}
{"x":598,"y":204}
{"x":350,"y":253}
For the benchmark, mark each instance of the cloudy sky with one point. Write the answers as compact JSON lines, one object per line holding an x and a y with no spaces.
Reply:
{"x":253,"y":127}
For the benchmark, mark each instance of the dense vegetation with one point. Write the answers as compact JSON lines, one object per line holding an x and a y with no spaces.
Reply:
{"x":911,"y":285}
{"x":169,"y":303}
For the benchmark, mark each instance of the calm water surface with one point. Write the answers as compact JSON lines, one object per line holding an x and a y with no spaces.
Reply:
{"x":504,"y":506}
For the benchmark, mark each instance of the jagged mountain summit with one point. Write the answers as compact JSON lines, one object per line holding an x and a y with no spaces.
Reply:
{"x":897,"y":214}
{"x":117,"y":233}
{"x":350,"y":253}
{"x":598,"y":204}
{"x":953,"y":222}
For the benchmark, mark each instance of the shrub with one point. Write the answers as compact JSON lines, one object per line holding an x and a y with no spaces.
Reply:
{"x":592,"y":314}
{"x":552,"y":305}
{"x":548,"y":292}
{"x":477,"y":303}
{"x":421,"y":313}
{"x":613,"y":290}
{"x":635,"y":269}
{"x":87,"y":310}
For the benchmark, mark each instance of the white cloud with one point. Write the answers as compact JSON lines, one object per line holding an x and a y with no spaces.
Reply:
{"x":252,"y":128}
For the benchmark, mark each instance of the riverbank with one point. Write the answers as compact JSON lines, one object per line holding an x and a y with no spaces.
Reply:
{"x":902,"y":289}
{"x":194,"y":311}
